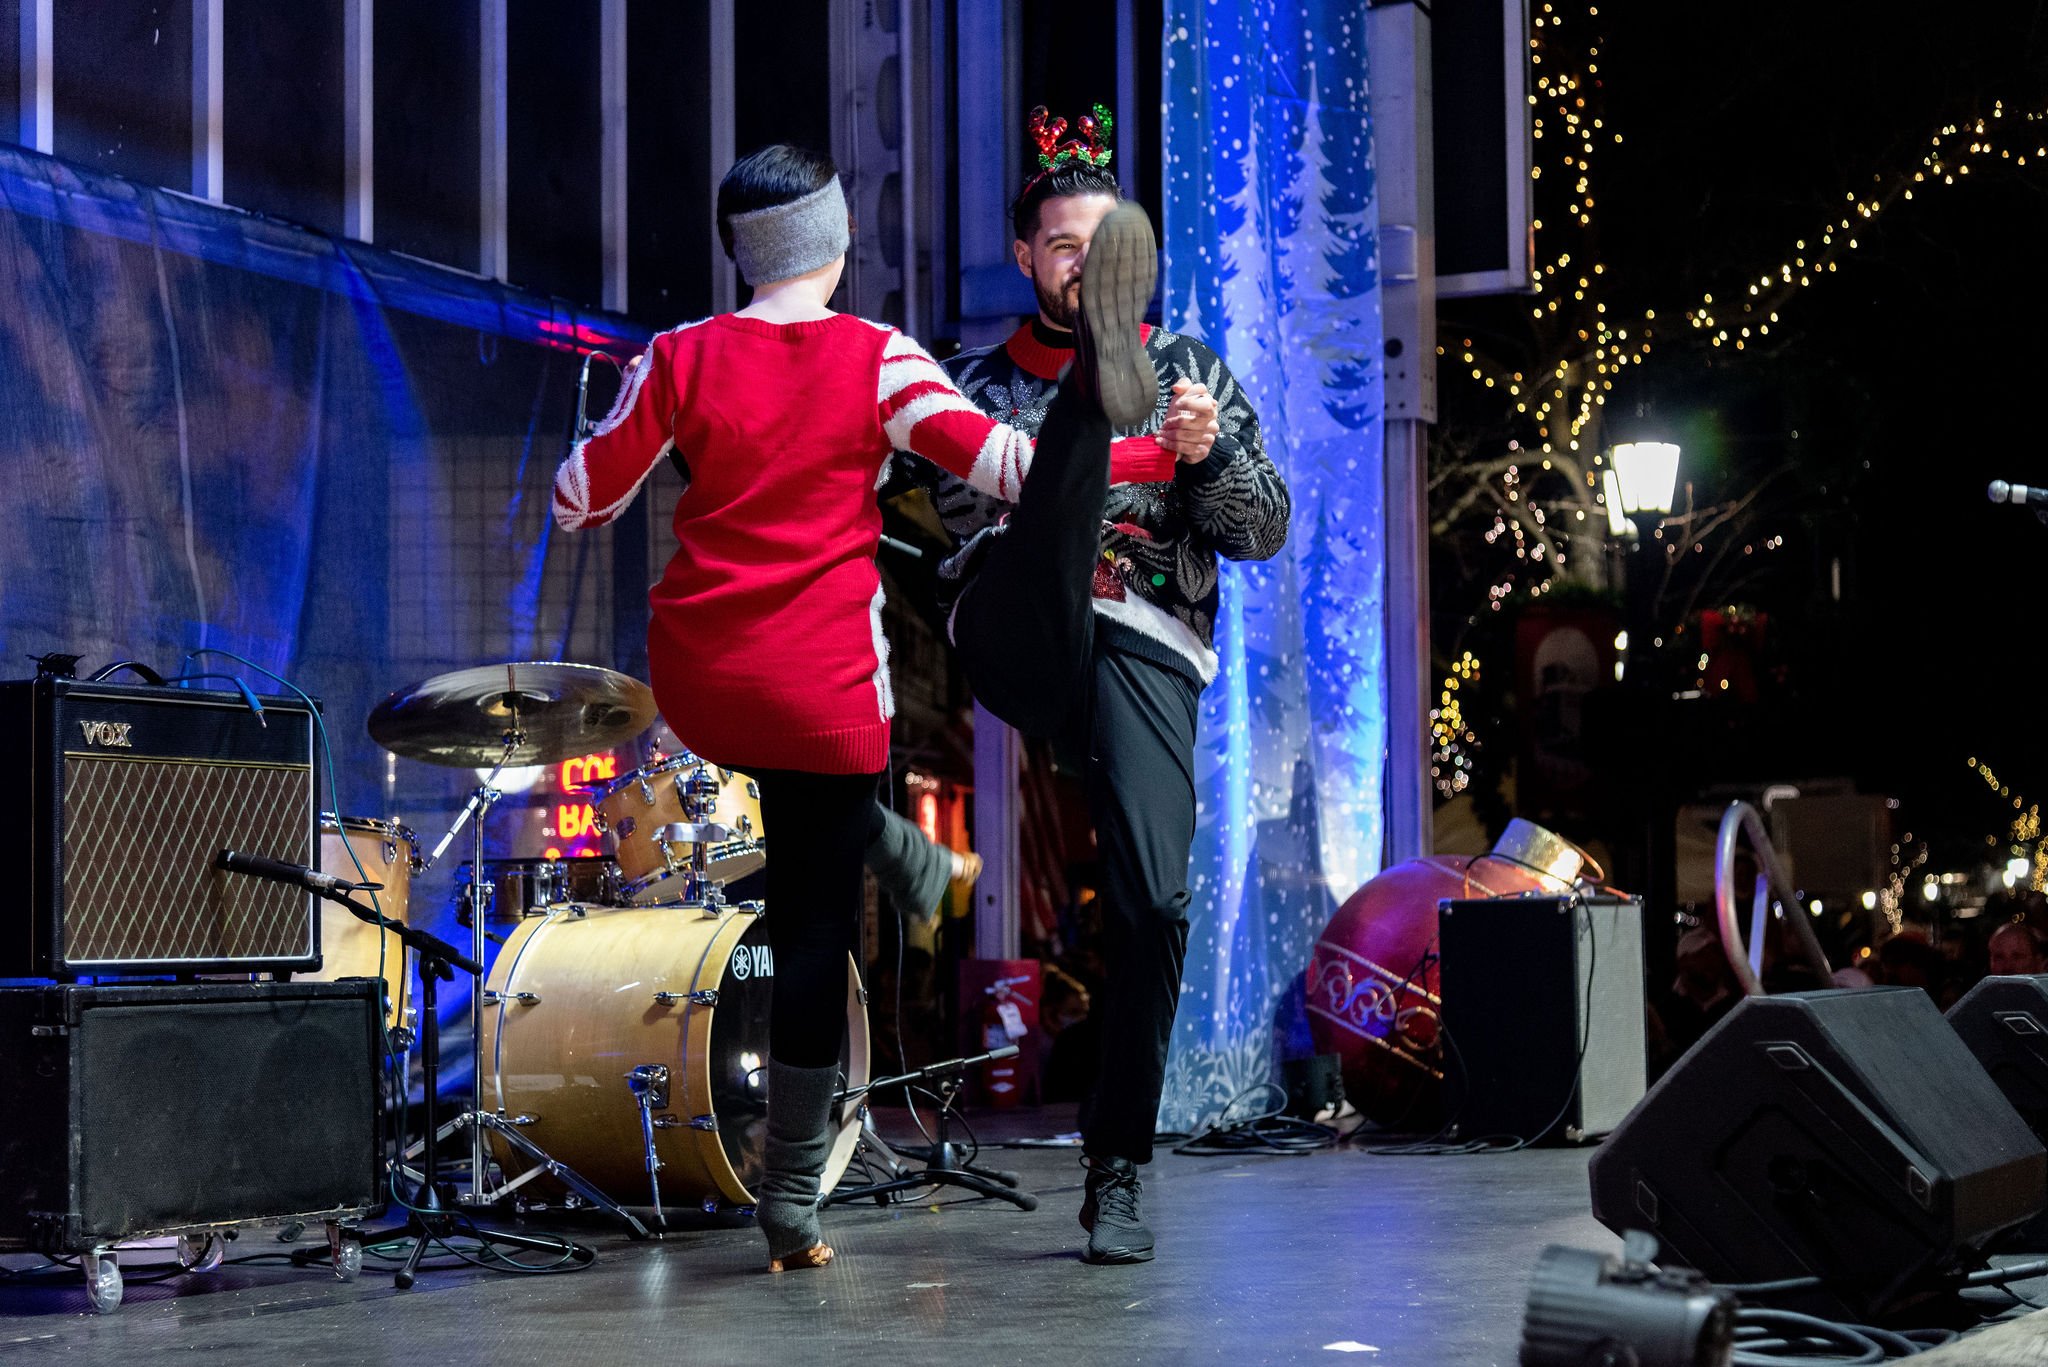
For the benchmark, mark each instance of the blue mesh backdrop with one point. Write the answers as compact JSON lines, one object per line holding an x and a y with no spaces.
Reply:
{"x":1272,"y":257}
{"x":219,"y":431}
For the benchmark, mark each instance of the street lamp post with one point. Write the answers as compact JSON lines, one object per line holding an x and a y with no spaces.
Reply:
{"x":1640,"y":489}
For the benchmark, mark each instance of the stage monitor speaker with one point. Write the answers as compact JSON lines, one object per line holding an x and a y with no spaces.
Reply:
{"x":2004,"y":1022}
{"x":126,"y":793}
{"x":145,"y":1109}
{"x":1844,"y":1135}
{"x":1542,"y":1014}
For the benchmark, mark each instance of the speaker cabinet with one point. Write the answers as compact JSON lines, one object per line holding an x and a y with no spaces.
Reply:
{"x":2004,"y":1022}
{"x":146,"y":1109}
{"x":126,"y":793}
{"x":1528,"y":983}
{"x":1844,"y":1135}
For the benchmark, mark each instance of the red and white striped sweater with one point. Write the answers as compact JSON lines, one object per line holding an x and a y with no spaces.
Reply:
{"x":766,"y":647}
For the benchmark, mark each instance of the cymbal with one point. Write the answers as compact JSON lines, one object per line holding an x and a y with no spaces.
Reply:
{"x":560,"y":711}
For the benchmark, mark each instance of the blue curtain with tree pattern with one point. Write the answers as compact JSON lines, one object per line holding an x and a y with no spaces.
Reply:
{"x":1271,"y":243}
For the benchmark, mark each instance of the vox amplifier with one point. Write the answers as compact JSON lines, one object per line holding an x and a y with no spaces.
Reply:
{"x":125,"y":794}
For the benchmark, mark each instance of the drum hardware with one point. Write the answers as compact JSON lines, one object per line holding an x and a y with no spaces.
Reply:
{"x":700,"y":836}
{"x":942,"y":1166}
{"x":649,"y":1085}
{"x":522,"y":713}
{"x":704,"y":997}
{"x":493,"y":998}
{"x":427,"y":1219}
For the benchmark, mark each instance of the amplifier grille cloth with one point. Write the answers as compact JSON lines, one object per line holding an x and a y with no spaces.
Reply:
{"x":140,"y":838}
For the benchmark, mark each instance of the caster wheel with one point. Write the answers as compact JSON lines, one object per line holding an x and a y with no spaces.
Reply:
{"x":348,"y":1260}
{"x":103,"y":1282}
{"x":202,"y":1253}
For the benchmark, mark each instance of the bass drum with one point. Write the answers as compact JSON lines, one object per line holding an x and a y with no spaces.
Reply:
{"x":352,"y":948}
{"x":583,"y":995}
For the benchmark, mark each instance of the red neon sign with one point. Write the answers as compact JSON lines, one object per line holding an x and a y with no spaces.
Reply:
{"x":574,"y":820}
{"x":586,"y":770}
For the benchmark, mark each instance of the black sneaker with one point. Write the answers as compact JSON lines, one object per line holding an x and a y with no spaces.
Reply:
{"x":1116,"y":285}
{"x":1117,"y":1232}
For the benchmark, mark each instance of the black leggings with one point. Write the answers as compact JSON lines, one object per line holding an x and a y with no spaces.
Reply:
{"x":821,"y":825}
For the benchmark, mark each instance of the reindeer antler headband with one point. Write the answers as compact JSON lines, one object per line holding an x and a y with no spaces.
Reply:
{"x":1090,"y":149}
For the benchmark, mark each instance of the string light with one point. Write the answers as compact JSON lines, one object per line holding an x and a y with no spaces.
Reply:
{"x":1564,"y":415}
{"x":1453,"y":745}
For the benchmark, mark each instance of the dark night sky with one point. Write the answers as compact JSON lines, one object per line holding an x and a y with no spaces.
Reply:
{"x":1911,"y":374}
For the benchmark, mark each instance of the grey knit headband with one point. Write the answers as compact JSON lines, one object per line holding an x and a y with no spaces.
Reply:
{"x":786,"y":240}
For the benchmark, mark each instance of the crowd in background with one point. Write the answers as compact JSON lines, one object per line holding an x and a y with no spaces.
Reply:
{"x":1945,"y":959}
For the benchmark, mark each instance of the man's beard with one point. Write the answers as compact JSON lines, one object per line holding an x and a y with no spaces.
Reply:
{"x":1056,"y":307}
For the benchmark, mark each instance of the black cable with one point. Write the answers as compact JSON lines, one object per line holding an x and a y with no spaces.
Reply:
{"x":1509,"y":1143}
{"x":902,"y":1053}
{"x":1270,"y":1131}
{"x":1997,"y":1276}
{"x":1783,"y":1284}
{"x":1771,"y":1338}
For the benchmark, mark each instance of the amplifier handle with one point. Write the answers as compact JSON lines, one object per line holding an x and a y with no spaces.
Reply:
{"x":149,"y":676}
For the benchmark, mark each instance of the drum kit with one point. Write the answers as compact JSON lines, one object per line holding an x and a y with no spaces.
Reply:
{"x":621,"y":1033}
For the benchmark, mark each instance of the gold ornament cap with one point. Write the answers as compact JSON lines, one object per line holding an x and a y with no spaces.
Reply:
{"x":1546,"y":852}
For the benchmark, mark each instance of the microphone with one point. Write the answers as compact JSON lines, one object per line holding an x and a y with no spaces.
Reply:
{"x":583,"y":425}
{"x":278,"y":871}
{"x":2001,"y":492}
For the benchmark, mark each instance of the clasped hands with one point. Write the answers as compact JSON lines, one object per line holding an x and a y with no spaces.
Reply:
{"x":1191,"y":428}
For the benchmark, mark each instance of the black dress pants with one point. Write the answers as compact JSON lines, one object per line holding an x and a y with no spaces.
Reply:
{"x":1026,"y":631}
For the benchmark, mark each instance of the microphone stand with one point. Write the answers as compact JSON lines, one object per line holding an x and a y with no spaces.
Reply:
{"x":943,"y":1166}
{"x":428,"y":1219}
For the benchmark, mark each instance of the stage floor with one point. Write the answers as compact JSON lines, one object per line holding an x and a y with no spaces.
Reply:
{"x":1336,"y":1255}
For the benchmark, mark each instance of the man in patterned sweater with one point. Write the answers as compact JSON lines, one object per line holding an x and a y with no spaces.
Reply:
{"x":1190,"y":483}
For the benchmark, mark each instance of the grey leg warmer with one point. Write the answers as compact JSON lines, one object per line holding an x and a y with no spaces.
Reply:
{"x":799,"y":1141}
{"x":911,"y":869}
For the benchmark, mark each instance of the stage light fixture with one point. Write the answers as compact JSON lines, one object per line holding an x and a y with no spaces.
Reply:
{"x":1589,"y":1309}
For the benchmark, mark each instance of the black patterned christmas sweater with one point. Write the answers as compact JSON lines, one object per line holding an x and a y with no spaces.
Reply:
{"x":1165,"y":522}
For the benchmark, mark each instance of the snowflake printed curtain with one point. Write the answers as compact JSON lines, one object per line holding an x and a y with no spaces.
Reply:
{"x":1272,"y":258}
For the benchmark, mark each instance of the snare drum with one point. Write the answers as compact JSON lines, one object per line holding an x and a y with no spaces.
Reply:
{"x":582,"y":996}
{"x":518,"y":888}
{"x":633,"y":809}
{"x":349,"y":947}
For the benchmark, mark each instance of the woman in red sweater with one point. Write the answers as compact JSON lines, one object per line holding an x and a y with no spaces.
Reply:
{"x":765,"y":650}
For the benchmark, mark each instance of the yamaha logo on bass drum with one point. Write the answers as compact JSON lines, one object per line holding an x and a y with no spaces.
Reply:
{"x":753,"y":961}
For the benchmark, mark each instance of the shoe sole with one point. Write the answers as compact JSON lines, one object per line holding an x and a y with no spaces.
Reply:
{"x":1116,"y":285}
{"x":1116,"y":1257}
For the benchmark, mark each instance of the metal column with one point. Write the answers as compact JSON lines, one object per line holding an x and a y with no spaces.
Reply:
{"x":1404,"y":155}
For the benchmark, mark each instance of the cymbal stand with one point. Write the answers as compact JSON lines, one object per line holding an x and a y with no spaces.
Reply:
{"x":477,"y":1119}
